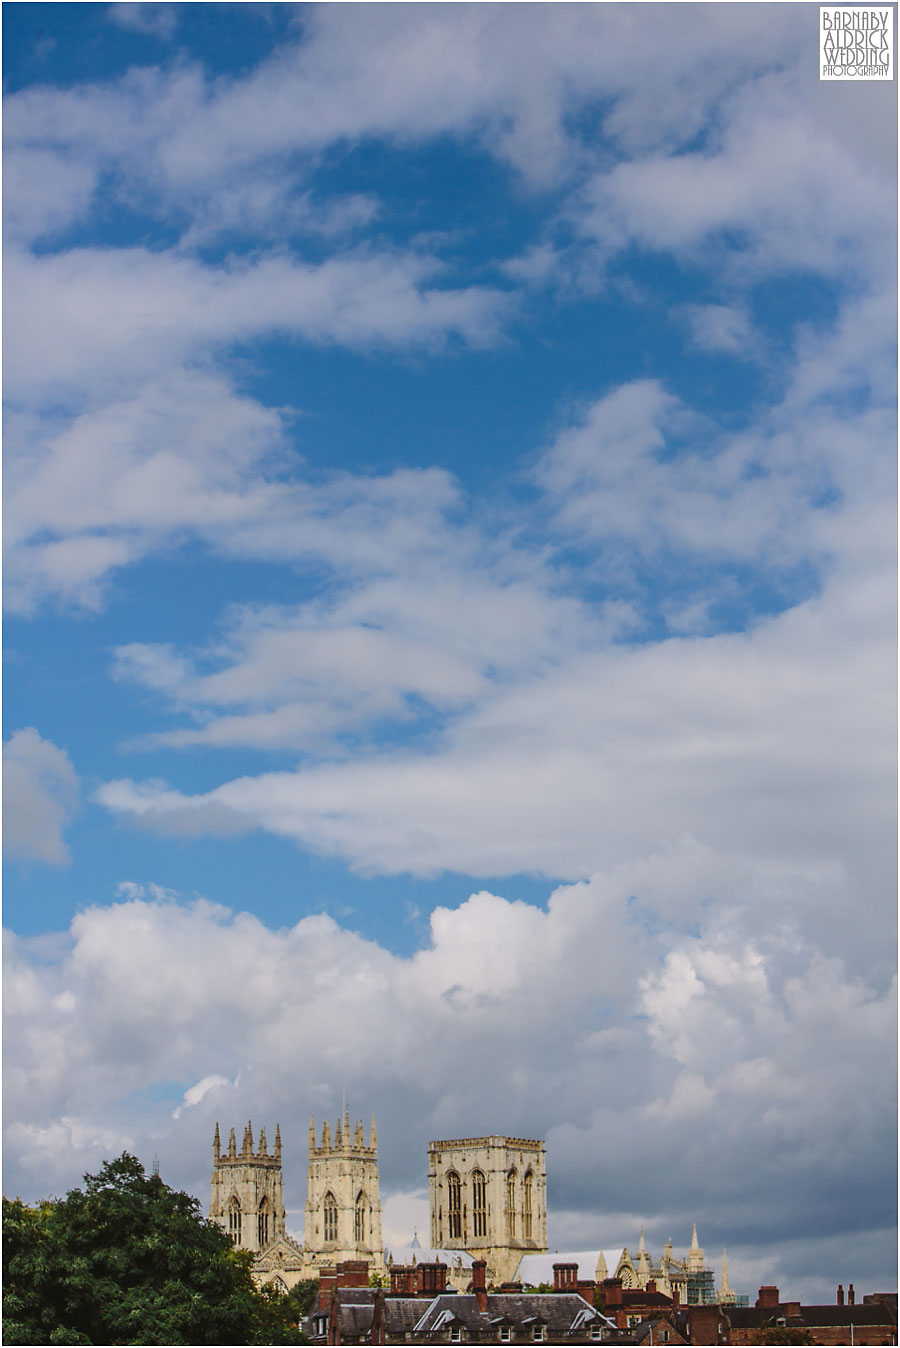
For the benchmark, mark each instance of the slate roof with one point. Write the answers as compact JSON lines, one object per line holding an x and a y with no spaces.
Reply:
{"x":558,"y":1311}
{"x":751,"y":1317}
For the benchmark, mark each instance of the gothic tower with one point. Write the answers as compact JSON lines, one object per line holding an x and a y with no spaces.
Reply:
{"x":246,"y":1196}
{"x":343,"y":1210}
{"x":488,"y":1195}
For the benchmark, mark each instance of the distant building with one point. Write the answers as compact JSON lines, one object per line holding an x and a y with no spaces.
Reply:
{"x":420,"y":1309}
{"x":246,"y":1196}
{"x":343,"y":1207}
{"x":488,"y":1195}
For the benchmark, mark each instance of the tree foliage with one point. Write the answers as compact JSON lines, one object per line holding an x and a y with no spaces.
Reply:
{"x":127,"y":1260}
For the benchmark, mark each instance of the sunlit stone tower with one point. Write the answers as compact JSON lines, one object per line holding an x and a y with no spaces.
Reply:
{"x":246,"y":1196}
{"x":343,"y":1209}
{"x":488,"y":1195}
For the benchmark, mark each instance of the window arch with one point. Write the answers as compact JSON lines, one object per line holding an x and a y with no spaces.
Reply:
{"x":527,"y":1205}
{"x":479,"y":1204}
{"x":511,"y":1202}
{"x":279,"y":1284}
{"x":234,"y":1219}
{"x":454,"y":1205}
{"x":330,"y":1216}
{"x":359,"y":1218}
{"x":262,"y":1223}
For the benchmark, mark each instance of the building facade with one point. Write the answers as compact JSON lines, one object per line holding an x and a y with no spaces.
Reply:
{"x":246,"y":1196}
{"x":488,"y":1195}
{"x":343,"y":1208}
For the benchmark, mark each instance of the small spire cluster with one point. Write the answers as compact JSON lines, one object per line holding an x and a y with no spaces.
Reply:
{"x":247,"y":1152}
{"x":345,"y":1138}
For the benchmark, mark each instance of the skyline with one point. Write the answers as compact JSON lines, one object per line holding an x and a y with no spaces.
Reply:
{"x":450,"y":552}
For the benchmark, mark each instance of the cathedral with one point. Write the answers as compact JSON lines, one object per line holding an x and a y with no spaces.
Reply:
{"x":487,"y":1201}
{"x":343,"y":1209}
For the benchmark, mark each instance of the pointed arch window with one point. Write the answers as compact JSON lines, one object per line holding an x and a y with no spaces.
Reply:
{"x":330,"y":1216}
{"x":479,"y":1204}
{"x":262,"y":1224}
{"x":359,"y":1218}
{"x":527,"y":1206}
{"x":234,"y":1220}
{"x":454,"y":1205}
{"x":511,"y":1202}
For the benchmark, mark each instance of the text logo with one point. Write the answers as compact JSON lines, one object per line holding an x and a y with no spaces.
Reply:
{"x":856,"y":44}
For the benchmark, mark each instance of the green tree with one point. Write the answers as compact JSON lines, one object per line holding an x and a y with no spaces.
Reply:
{"x":301,"y":1297}
{"x":127,"y":1260}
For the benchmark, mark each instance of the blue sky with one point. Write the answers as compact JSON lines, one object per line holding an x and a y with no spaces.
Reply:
{"x":449,"y":603}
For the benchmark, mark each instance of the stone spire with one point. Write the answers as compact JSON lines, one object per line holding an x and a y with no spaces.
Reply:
{"x":643,"y":1259}
{"x":278,"y":1143}
{"x":338,"y":1134}
{"x":247,"y":1146}
{"x":373,"y":1136}
{"x":263,"y":1146}
{"x":346,"y":1122}
{"x":695,"y":1254}
{"x":312,"y":1133}
{"x":326,"y":1135}
{"x":232,"y":1147}
{"x":217,"y":1144}
{"x":726,"y":1293}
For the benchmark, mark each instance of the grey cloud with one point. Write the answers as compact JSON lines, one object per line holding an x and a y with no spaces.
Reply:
{"x":40,"y":796}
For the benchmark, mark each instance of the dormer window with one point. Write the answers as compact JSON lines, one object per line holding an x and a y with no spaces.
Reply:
{"x":505,"y":1333}
{"x":538,"y":1333}
{"x":596,"y":1333}
{"x":456,"y":1334}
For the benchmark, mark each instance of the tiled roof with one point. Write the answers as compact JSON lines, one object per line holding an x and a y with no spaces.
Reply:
{"x":557,"y":1311}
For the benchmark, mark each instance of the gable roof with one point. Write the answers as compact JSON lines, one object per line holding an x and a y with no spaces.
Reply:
{"x":535,"y":1269}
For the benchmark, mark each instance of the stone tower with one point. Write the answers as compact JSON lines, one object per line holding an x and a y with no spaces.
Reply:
{"x":488,"y":1195}
{"x":343,"y":1210}
{"x":246,"y":1196}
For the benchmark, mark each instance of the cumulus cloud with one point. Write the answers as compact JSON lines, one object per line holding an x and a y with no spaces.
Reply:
{"x":40,"y":796}
{"x":670,"y":1050}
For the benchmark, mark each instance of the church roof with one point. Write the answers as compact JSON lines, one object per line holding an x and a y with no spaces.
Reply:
{"x":535,"y":1269}
{"x":408,"y":1254}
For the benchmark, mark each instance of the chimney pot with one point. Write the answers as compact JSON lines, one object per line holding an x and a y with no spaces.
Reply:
{"x":840,"y":1294}
{"x":851,"y":1295}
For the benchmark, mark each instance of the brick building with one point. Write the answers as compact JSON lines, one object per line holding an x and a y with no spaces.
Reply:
{"x":844,"y":1322}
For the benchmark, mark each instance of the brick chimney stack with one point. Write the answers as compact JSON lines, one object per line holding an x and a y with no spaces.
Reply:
{"x":565,"y":1277}
{"x":851,"y":1295}
{"x":478,"y":1287}
{"x":612,"y":1291}
{"x":840,"y":1295}
{"x":432,"y":1279}
{"x":768,"y":1296}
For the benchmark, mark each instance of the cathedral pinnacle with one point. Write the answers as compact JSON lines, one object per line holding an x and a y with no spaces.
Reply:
{"x":263,"y":1146}
{"x":278,"y":1142}
{"x":247,"y":1145}
{"x":694,"y":1242}
{"x":217,"y":1144}
{"x":326,"y":1135}
{"x":373,"y":1136}
{"x":232,"y":1147}
{"x":338,"y":1135}
{"x":725,"y":1289}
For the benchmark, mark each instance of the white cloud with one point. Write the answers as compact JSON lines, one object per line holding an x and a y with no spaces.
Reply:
{"x":154,"y":19}
{"x":40,"y":796}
